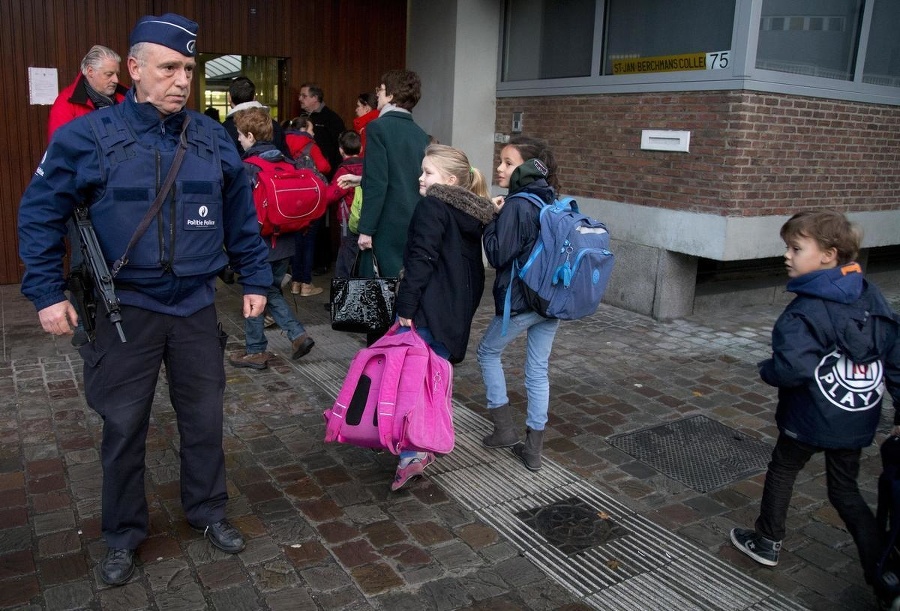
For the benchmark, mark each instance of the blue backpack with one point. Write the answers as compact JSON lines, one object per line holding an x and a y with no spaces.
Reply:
{"x":568,"y":269}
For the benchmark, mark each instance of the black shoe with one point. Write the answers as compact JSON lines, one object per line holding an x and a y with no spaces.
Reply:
{"x":117,"y":567}
{"x":224,"y":536}
{"x":320,"y":271}
{"x":764,"y":551}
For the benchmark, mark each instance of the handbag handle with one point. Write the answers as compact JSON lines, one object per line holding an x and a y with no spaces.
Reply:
{"x":354,"y":271}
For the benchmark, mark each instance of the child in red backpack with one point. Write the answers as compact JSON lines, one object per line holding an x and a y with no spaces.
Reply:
{"x":349,"y":145}
{"x":300,"y":140}
{"x":833,"y":349}
{"x":254,"y":126}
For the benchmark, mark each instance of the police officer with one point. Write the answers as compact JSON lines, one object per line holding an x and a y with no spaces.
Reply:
{"x":115,"y":159}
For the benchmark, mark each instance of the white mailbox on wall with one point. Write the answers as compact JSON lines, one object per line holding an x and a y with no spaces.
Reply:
{"x":665,"y":140}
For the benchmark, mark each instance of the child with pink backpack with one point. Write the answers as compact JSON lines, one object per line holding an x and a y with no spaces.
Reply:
{"x":443,"y":273}
{"x":401,"y":400}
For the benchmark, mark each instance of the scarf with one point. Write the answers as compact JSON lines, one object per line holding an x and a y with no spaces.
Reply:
{"x":100,"y":100}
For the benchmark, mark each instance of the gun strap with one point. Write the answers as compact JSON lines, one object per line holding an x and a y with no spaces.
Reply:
{"x":160,"y":198}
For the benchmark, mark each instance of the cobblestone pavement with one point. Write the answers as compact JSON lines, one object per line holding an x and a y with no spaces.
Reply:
{"x":325,"y":532}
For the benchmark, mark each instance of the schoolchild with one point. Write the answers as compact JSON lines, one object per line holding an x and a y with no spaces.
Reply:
{"x":443,"y":273}
{"x":298,"y":137}
{"x":351,"y":164}
{"x":833,"y":349}
{"x":299,"y":134}
{"x":527,"y":165}
{"x":254,"y":127}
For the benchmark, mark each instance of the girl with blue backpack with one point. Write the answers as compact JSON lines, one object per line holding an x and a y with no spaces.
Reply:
{"x":527,"y":165}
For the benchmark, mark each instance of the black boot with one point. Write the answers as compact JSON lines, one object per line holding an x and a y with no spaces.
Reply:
{"x":504,"y":435}
{"x":530,"y":451}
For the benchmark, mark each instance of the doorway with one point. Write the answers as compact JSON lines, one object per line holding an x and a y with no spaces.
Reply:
{"x":217,"y":71}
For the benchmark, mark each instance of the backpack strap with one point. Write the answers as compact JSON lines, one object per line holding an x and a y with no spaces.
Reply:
{"x":387,"y":398}
{"x":507,"y":301}
{"x":253,"y":166}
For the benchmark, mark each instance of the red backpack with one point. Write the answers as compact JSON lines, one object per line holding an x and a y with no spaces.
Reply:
{"x":287,"y":198}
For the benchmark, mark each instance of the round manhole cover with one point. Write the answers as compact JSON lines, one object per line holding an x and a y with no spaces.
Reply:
{"x":564,"y":524}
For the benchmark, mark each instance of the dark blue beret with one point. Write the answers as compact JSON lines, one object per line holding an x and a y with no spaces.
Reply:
{"x":170,"y":30}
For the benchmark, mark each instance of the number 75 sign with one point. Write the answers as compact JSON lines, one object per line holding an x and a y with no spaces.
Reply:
{"x":717,"y":60}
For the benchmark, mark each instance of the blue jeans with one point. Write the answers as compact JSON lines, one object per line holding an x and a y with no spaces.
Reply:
{"x":304,"y":252}
{"x":841,"y":472}
{"x":277,"y":306}
{"x":539,"y":342}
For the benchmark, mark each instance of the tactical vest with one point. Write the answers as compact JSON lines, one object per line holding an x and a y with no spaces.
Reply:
{"x":187,"y":235}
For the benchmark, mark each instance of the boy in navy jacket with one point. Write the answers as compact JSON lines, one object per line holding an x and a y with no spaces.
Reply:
{"x":834,"y":348}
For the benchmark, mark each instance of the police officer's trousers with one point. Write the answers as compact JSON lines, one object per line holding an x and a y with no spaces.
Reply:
{"x":120,"y":380}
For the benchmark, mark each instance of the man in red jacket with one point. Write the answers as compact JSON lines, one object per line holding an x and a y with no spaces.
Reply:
{"x":97,"y":86}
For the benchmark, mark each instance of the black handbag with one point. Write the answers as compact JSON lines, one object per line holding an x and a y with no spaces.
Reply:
{"x":363,"y":305}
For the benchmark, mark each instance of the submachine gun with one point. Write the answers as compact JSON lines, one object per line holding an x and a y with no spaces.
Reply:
{"x":93,"y":279}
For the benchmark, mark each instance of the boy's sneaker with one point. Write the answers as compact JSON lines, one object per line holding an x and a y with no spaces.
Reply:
{"x":258,"y":360}
{"x":764,"y":551}
{"x":414,"y":468}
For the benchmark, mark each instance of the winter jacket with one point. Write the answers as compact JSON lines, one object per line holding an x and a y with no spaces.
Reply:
{"x":391,"y":168}
{"x":73,"y":102}
{"x":343,"y":197}
{"x":511,"y":236}
{"x":443,"y":274}
{"x":172,"y":268}
{"x":297,"y":141}
{"x":833,"y":349}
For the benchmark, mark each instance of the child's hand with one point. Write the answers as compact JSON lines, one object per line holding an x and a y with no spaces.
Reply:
{"x":349,"y":180}
{"x":498,"y":203}
{"x":896,"y":430}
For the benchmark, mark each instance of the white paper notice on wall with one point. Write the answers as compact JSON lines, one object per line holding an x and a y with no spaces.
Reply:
{"x":665,"y":140}
{"x":43,"y":85}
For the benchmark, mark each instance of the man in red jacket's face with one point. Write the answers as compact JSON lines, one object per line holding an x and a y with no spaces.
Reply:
{"x":104,"y":77}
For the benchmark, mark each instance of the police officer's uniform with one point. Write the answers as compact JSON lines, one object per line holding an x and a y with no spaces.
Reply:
{"x":116,"y":159}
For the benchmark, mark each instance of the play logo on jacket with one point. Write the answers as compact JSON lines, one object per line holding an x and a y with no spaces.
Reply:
{"x":850,"y":386}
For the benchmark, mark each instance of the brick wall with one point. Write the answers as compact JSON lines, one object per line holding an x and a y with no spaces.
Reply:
{"x":751,"y":154}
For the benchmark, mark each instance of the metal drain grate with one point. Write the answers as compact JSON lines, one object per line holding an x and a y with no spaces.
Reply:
{"x":571,"y":525}
{"x":698,"y":452}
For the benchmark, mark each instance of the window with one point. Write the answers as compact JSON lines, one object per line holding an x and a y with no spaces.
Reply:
{"x":843,"y":49}
{"x":882,"y":65}
{"x":656,"y":31}
{"x":819,"y":38}
{"x":546,"y":39}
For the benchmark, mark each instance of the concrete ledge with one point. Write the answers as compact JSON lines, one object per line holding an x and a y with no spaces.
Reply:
{"x":722,"y":238}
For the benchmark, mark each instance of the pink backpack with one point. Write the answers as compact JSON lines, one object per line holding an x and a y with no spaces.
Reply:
{"x":397,"y":396}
